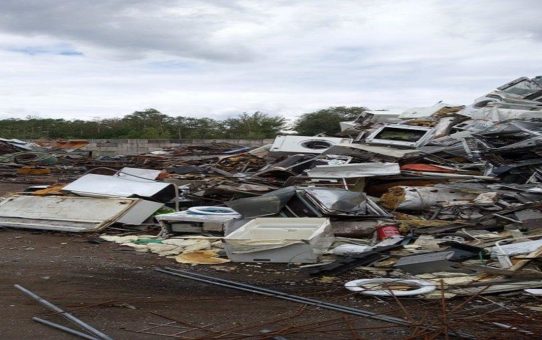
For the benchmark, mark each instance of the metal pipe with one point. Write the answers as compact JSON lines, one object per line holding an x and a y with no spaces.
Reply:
{"x":274,"y":293}
{"x":64,"y":328}
{"x":293,"y":298}
{"x":63,"y":313}
{"x":307,"y":300}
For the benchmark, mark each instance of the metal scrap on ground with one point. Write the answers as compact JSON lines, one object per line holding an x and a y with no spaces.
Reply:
{"x":446,"y":195}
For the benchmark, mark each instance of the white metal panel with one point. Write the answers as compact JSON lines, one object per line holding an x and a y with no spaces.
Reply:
{"x":138,"y":174}
{"x":114,"y":186}
{"x":355,"y":170}
{"x":140,"y":212}
{"x":61,"y":213}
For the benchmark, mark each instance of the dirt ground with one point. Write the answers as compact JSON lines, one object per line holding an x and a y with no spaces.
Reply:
{"x":118,"y":291}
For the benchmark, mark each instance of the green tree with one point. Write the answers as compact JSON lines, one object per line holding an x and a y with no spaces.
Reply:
{"x":326,"y":121}
{"x":149,"y":123}
{"x":194,"y":128}
{"x":255,"y":125}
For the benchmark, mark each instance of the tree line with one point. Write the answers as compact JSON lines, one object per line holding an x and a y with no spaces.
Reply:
{"x":152,"y":124}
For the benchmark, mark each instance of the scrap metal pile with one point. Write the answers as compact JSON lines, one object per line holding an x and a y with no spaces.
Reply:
{"x":42,"y":162}
{"x":444,"y":199}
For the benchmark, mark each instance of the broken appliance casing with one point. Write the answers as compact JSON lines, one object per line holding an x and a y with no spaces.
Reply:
{"x":61,"y":213}
{"x":187,"y":222}
{"x":419,"y":135}
{"x":305,"y":144}
{"x":280,"y":240}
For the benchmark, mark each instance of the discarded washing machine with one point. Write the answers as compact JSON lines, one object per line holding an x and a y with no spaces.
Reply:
{"x":305,"y":144}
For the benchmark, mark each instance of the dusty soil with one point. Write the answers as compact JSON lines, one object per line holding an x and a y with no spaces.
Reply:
{"x":117,"y":290}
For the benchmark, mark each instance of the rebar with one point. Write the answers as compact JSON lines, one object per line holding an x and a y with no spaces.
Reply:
{"x":64,"y":328}
{"x":65,"y":314}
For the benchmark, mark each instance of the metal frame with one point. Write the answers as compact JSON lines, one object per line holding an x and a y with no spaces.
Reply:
{"x":371,"y":139}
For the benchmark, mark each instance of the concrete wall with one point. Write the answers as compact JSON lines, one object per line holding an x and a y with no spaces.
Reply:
{"x":111,"y":147}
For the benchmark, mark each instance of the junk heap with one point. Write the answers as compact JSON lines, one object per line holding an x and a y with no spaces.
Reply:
{"x":445,"y":200}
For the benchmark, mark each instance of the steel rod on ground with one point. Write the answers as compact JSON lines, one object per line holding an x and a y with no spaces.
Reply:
{"x":293,"y":298}
{"x":65,"y":314}
{"x":64,"y":328}
{"x":314,"y":302}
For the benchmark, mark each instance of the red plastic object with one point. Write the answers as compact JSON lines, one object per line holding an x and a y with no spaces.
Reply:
{"x":386,"y":231}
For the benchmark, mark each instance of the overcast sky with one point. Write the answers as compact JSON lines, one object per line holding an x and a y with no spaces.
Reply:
{"x":107,"y":58}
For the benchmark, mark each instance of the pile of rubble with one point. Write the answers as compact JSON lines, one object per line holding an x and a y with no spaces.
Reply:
{"x":436,"y":201}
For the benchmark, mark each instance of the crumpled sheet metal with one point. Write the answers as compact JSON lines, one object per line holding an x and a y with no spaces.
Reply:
{"x":496,"y":114}
{"x":341,"y":202}
{"x":420,"y":198}
{"x":265,"y":205}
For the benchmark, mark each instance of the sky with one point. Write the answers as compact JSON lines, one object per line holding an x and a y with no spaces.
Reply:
{"x":94,"y":59}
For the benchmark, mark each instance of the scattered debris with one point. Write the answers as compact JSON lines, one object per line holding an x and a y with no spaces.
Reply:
{"x":446,"y":199}
{"x":293,"y":298}
{"x":201,"y":257}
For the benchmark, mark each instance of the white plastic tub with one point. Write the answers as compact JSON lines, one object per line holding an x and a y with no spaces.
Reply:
{"x":282,"y":240}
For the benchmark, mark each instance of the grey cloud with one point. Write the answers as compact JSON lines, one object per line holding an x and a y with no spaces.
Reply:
{"x":184,"y":29}
{"x":196,"y":56}
{"x":241,"y":30}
